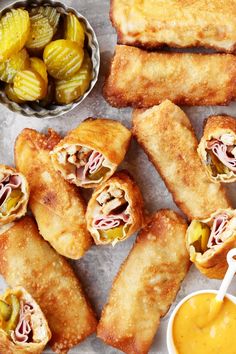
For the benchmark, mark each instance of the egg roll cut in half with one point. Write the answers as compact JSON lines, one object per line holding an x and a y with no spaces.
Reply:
{"x":146,"y":284}
{"x":23,"y":327}
{"x":14,"y":194}
{"x":217,"y":148}
{"x":209,"y":241}
{"x":166,"y":135}
{"x":27,"y":260}
{"x":90,"y":154}
{"x":115,"y":210}
{"x":152,"y":23}
{"x":57,"y":206}
{"x":142,"y":79}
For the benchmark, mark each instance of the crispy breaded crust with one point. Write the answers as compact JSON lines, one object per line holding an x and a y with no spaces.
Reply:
{"x":146,"y":285}
{"x":57,"y":206}
{"x":7,"y":346}
{"x":167,"y":137}
{"x":213,"y":263}
{"x":27,"y":260}
{"x":107,"y":136}
{"x":181,"y":24}
{"x":142,"y":79}
{"x":134,"y":197}
{"x":214,"y":128}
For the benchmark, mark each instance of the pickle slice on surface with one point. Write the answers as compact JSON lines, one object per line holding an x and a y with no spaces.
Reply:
{"x":50,"y":13}
{"x":199,"y":235}
{"x":69,"y":90}
{"x":5,"y":310}
{"x":63,"y":58}
{"x":74,"y":30}
{"x":14,"y":32}
{"x":13,"y":320}
{"x":39,"y":66}
{"x":9,"y":90}
{"x":41,"y":33}
{"x":8,"y":69}
{"x":112,"y":234}
{"x":29,"y":85}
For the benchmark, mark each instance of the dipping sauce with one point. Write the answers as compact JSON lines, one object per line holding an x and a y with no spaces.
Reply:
{"x":196,"y":331}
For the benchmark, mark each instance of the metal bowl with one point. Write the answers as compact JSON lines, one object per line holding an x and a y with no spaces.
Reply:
{"x":34,"y":109}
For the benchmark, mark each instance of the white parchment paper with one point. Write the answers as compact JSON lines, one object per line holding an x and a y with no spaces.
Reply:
{"x":99,"y":266}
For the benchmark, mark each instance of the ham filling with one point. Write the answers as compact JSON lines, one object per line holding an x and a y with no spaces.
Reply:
{"x":23,"y":332}
{"x":218,"y":228}
{"x":112,"y":210}
{"x":225,"y":150}
{"x":7,"y":184}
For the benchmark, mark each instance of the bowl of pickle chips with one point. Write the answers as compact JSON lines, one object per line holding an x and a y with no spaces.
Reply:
{"x":49,"y":58}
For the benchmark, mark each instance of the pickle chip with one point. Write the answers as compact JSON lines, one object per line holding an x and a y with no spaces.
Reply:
{"x":8,"y":69}
{"x":9,"y":90}
{"x":63,"y":58}
{"x":14,"y":32}
{"x":39,"y":66}
{"x":74,"y":30}
{"x":29,"y":85}
{"x":69,"y":90}
{"x":41,"y":32}
{"x":50,"y":13}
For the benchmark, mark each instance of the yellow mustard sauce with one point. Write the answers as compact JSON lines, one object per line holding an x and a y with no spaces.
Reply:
{"x":203,"y":325}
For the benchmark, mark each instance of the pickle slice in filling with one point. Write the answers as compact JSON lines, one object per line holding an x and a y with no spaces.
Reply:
{"x":112,"y":234}
{"x":14,"y":318}
{"x":12,"y":201}
{"x":5,"y":310}
{"x":199,"y":236}
{"x":98,"y":174}
{"x":216,"y":165}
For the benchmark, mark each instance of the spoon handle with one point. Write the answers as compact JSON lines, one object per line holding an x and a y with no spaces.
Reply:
{"x":228,"y":276}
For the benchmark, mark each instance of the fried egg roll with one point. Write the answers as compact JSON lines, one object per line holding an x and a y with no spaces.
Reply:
{"x":209,"y":240}
{"x":14,"y":194}
{"x":217,"y":148}
{"x":153,"y":23}
{"x":90,"y":154}
{"x":166,"y":135}
{"x":146,"y":285}
{"x":143,"y":79}
{"x":115,"y":210}
{"x":23,"y":327}
{"x":27,"y":260}
{"x":57,"y":206}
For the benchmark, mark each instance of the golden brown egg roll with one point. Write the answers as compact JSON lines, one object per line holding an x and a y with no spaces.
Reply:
{"x":14,"y":194}
{"x":27,"y":260}
{"x":209,"y":240}
{"x":57,"y":206}
{"x":115,"y":210}
{"x":152,"y":23}
{"x":23,"y":326}
{"x":217,"y":148}
{"x":91,"y":153}
{"x":166,"y":135}
{"x":146,"y":285}
{"x":143,"y":79}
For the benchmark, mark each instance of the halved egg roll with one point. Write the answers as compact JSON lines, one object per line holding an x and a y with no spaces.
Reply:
{"x":23,"y":326}
{"x":142,"y":79}
{"x":152,"y":23}
{"x":90,"y":154}
{"x":115,"y":210}
{"x":166,"y":135}
{"x":146,"y":285}
{"x":217,"y":148}
{"x":14,"y":194}
{"x":57,"y":206}
{"x":209,"y":240}
{"x":27,"y":260}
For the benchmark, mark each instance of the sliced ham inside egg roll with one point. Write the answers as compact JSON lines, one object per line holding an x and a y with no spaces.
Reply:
{"x":209,"y":241}
{"x":27,"y":260}
{"x":23,"y":326}
{"x":90,"y":154}
{"x":217,"y":148}
{"x":57,"y":206}
{"x":14,"y":194}
{"x":115,"y":210}
{"x":146,"y":285}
